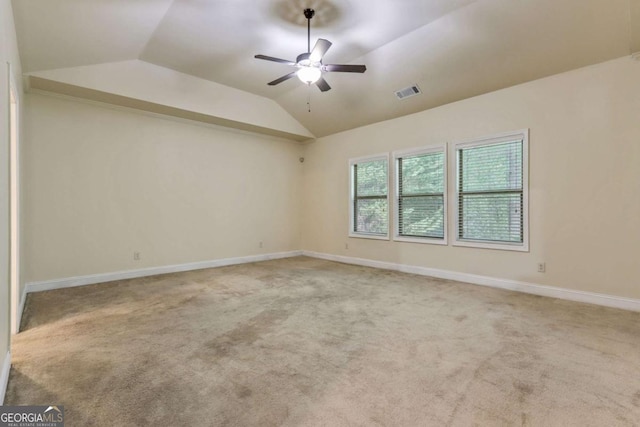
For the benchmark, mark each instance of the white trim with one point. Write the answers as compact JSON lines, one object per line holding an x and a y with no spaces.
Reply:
{"x":495,"y":138}
{"x":362,"y":159}
{"x":14,"y":200}
{"x":369,"y":236}
{"x":503,"y":246}
{"x":417,"y":151}
{"x":512,"y":285}
{"x":522,"y":134}
{"x":91,"y":279}
{"x":423,"y":240}
{"x":355,"y":161}
{"x":396,"y":155}
{"x":4,"y":376}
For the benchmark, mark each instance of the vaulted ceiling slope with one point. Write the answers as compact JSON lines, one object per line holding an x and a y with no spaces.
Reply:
{"x":195,"y":50}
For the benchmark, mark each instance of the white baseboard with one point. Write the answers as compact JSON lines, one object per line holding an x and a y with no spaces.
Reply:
{"x":512,"y":285}
{"x":69,"y":282}
{"x":4,"y":376}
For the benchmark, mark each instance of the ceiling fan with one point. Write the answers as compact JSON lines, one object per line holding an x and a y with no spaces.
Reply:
{"x":309,"y":64}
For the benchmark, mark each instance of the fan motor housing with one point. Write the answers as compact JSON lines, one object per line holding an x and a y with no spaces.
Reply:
{"x":304,"y":60}
{"x":303,"y":57}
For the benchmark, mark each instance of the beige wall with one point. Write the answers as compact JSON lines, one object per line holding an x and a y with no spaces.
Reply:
{"x":103,"y":182}
{"x":584,"y":180}
{"x":8,"y":54}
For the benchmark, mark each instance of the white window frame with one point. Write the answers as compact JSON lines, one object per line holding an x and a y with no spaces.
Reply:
{"x":352,"y":163}
{"x":396,"y":205}
{"x":522,"y":134}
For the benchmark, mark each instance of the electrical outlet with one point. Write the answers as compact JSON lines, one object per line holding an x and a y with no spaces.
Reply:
{"x":346,"y":246}
{"x":136,"y":256}
{"x":260,"y":244}
{"x":542,"y":267}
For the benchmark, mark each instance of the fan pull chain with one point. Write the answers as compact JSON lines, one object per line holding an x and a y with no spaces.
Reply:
{"x":309,"y":97}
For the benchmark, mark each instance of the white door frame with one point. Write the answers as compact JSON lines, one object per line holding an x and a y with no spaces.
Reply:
{"x":14,"y":201}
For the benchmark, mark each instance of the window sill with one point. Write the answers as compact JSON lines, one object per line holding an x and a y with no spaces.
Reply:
{"x":422,"y":240}
{"x":369,"y":236}
{"x":488,"y":245}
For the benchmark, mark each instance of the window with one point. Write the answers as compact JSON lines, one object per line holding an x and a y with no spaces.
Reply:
{"x":492,"y":192}
{"x":369,"y":197}
{"x":421,"y":203}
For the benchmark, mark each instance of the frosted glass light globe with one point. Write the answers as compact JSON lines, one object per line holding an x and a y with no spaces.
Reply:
{"x":309,"y":75}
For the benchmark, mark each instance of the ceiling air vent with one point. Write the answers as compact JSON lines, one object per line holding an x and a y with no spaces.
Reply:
{"x":408,"y":92}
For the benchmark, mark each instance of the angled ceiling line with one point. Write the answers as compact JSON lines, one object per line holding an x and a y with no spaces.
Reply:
{"x":153,"y":33}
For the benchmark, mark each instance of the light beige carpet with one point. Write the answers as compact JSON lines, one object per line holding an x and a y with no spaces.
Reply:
{"x":306,"y":342}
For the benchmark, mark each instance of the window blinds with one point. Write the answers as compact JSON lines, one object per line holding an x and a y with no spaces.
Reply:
{"x":370,"y":188}
{"x":421,"y":195}
{"x":490,"y":192}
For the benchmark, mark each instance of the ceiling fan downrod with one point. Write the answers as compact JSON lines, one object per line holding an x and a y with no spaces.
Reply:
{"x":308,"y":13}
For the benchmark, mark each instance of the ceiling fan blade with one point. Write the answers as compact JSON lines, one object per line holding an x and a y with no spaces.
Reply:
{"x":282,"y":79}
{"x":323,"y":85}
{"x":271,"y":58}
{"x":318,"y":51}
{"x":344,"y":68}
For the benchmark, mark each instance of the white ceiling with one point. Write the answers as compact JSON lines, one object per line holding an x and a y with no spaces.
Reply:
{"x":453,"y":49}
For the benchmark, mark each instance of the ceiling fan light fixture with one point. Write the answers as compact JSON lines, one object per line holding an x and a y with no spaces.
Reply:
{"x":309,"y":64}
{"x":309,"y":74}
